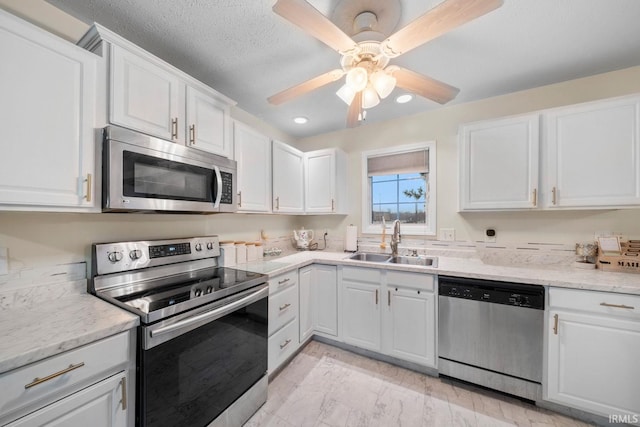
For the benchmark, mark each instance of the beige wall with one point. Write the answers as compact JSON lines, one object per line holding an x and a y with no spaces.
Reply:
{"x":441,"y":125}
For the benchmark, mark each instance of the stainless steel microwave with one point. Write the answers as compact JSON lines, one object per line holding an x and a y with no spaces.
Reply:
{"x":141,"y":173}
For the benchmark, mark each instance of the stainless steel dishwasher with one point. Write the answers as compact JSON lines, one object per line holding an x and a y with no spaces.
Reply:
{"x":491,"y":333}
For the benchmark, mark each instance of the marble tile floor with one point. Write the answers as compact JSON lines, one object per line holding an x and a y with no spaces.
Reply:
{"x":325,"y":386}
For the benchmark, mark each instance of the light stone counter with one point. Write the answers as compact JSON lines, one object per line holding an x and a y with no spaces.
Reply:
{"x":34,"y":327}
{"x":548,"y":275}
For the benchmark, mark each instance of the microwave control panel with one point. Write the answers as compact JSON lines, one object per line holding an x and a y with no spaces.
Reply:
{"x":227,"y":188}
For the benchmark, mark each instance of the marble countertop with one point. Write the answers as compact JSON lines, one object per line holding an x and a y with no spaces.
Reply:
{"x":547,"y":275}
{"x":32,"y":332}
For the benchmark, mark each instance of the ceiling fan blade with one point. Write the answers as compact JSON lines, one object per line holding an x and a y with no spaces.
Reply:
{"x":424,"y":86}
{"x":305,"y":87}
{"x":307,"y":17}
{"x":443,"y":18}
{"x":355,"y":111}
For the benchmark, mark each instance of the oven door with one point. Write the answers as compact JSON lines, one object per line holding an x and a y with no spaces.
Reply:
{"x":150,"y":174}
{"x":193,"y":368}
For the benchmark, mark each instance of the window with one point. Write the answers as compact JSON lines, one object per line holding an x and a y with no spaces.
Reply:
{"x":399,"y":183}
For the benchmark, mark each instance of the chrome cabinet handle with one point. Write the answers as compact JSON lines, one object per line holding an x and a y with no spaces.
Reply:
{"x":628,"y":307}
{"x":285,"y":306}
{"x":192,"y":134}
{"x":376,"y":297}
{"x":284,"y":344}
{"x":277,"y":203}
{"x":37,"y":381}
{"x":535,"y":197}
{"x":240,"y":199}
{"x":555,"y":324}
{"x":283,"y":281}
{"x":389,"y":298}
{"x":333,"y":205}
{"x":123,"y":384}
{"x":89,"y":187}
{"x":174,"y":128}
{"x":554,"y":195}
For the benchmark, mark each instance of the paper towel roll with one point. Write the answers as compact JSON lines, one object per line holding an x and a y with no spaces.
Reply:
{"x":351,"y":239}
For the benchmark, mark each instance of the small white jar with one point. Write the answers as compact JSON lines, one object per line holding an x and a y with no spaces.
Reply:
{"x":252,"y":255}
{"x":227,"y":253}
{"x":241,"y":252}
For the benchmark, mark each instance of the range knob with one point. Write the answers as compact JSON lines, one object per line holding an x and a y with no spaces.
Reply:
{"x":114,"y":256}
{"x":209,"y":289}
{"x":198,"y":247}
{"x":135,"y":254}
{"x":197,"y":292}
{"x":209,"y":245}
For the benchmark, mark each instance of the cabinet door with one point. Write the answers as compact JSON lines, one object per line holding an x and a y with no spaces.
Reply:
{"x":410,"y":325}
{"x":47,"y":105}
{"x":305,"y":280}
{"x":208,"y":123}
{"x":499,"y":164}
{"x":594,"y":154}
{"x":99,"y":405}
{"x":288,"y":179}
{"x":325,"y":297}
{"x":361,"y":314}
{"x":146,"y":97}
{"x":320,"y":181}
{"x":252,"y":151}
{"x":593,"y":363}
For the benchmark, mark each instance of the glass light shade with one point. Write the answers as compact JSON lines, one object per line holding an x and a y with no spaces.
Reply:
{"x":383,"y":83}
{"x":346,"y":93}
{"x":357,"y":78}
{"x":369,"y":97}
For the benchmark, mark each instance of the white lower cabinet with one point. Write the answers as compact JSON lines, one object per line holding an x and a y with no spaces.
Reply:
{"x":410,"y":317}
{"x":390,"y":312}
{"x":91,"y":385}
{"x":318,"y":301}
{"x":283,"y":319}
{"x":592,"y":352}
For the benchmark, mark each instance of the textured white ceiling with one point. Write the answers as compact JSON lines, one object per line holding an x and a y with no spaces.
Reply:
{"x":245,"y":51}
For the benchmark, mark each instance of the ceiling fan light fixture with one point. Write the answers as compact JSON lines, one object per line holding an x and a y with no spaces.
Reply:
{"x":383,"y":83}
{"x":346,"y":93}
{"x":357,"y":78}
{"x":369,"y":97}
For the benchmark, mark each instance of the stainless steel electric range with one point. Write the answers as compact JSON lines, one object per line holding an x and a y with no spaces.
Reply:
{"x":202,"y":343}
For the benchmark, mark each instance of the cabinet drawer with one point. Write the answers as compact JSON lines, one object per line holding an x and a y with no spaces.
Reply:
{"x":85,"y":365}
{"x":357,"y":274}
{"x":282,"y":344}
{"x":283,"y":281}
{"x":283,"y":307}
{"x":411,"y":280}
{"x":608,"y":303}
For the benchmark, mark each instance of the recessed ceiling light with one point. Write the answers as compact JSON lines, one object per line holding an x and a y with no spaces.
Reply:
{"x":403,"y":99}
{"x":300,"y":120}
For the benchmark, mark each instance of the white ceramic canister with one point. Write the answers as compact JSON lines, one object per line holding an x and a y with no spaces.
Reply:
{"x":227,"y":253}
{"x":259,"y":251}
{"x":241,"y":252}
{"x":252,"y":255}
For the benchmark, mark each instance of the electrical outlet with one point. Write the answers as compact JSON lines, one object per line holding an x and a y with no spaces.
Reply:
{"x":448,"y":234}
{"x":4,"y":261}
{"x":490,"y":235}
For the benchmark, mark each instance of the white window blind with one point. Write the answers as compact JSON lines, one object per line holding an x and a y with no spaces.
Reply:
{"x":408,"y":162}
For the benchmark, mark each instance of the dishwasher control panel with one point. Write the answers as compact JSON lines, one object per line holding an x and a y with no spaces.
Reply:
{"x":515,"y":294}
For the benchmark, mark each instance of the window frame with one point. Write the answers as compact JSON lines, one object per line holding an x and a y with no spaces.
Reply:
{"x":430,"y":208}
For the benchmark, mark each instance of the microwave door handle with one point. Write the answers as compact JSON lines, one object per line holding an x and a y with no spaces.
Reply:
{"x":216,"y":204}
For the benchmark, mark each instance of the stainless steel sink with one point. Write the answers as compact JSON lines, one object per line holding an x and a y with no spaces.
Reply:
{"x":362,"y":256}
{"x":412,"y":260}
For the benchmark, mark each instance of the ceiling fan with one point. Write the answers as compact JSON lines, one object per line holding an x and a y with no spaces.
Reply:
{"x":365,"y":62}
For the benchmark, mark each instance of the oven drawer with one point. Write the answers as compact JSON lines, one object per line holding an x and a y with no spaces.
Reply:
{"x":283,"y":307}
{"x":83,"y":366}
{"x":283,"y":344}
{"x":283,"y":281}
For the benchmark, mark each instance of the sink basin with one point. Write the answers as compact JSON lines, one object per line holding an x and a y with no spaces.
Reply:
{"x":412,"y":260}
{"x":362,"y":256}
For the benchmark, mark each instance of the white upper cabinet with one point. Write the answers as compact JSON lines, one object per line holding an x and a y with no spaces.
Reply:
{"x":499,"y":164}
{"x":288,"y":179}
{"x":47,"y":105}
{"x":149,"y":95}
{"x":252,"y":151}
{"x":325,"y":178}
{"x":593,"y":154}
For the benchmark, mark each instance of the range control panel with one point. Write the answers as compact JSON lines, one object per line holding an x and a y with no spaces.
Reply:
{"x":127,"y":256}
{"x":515,"y":294}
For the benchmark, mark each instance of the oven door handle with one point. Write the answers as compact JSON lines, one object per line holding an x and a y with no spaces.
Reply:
{"x":216,"y":204}
{"x":209,"y":316}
